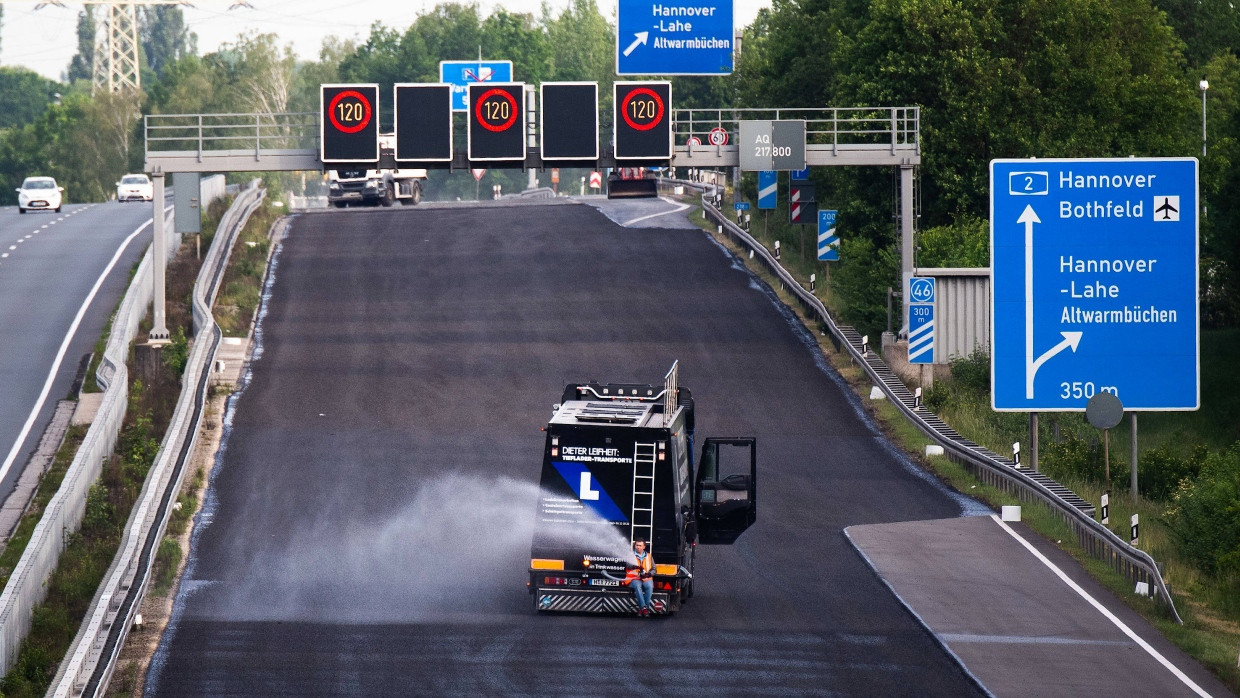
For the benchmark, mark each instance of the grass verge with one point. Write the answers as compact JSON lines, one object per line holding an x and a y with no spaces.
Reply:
{"x":1210,"y":633}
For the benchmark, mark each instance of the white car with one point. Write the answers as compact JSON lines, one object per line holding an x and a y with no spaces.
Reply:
{"x":134,"y":187}
{"x":39,"y":194}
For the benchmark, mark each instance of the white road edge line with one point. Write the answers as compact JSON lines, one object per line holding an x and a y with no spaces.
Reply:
{"x":680,"y":207}
{"x":1103,"y":610}
{"x":64,"y":347}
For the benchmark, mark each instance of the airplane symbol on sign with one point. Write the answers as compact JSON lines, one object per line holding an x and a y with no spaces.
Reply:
{"x":482,"y":75}
{"x":1168,"y":209}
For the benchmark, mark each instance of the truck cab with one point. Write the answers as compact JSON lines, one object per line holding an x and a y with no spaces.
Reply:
{"x":381,"y":187}
{"x":618,"y":466}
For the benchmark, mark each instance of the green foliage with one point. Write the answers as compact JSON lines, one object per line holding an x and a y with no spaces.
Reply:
{"x":972,"y":372}
{"x":965,"y":243}
{"x":176,"y":354}
{"x":167,"y":559}
{"x":99,"y":511}
{"x":25,"y":95}
{"x":1162,"y":470}
{"x":1205,"y":515}
{"x":860,"y":286}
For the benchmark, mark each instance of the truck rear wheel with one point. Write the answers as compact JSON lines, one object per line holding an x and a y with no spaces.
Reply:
{"x":389,"y":196}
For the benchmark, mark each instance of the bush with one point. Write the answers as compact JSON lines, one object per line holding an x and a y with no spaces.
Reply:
{"x":973,"y":371}
{"x":1205,"y":515}
{"x":1162,"y":472}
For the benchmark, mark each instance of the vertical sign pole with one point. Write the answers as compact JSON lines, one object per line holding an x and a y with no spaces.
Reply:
{"x":1106,"y":454}
{"x":906,"y":235}
{"x":1133,"y":457}
{"x":159,"y":329}
{"x":1033,"y":441}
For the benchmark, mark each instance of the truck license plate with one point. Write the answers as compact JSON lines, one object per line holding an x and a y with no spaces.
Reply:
{"x":604,"y":582}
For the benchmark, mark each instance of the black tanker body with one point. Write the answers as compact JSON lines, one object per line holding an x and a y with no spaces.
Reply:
{"x":618,"y":466}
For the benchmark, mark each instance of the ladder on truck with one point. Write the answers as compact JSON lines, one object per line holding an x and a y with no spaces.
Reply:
{"x":643,"y":493}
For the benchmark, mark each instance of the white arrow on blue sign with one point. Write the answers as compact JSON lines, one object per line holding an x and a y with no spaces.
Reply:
{"x":828,"y":241}
{"x":768,"y":189}
{"x":800,"y":175}
{"x":674,"y":37}
{"x":921,"y":320}
{"x":1094,"y":283}
{"x":462,"y":74}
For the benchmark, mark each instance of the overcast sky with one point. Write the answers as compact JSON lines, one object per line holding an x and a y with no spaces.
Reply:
{"x":45,"y":40}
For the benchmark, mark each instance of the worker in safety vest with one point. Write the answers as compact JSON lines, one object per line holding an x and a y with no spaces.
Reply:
{"x":639,"y":575}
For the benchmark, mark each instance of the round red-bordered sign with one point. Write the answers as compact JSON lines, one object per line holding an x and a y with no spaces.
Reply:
{"x":512,"y":104}
{"x":331,"y":111}
{"x":624,"y":109}
{"x":718,"y":136}
{"x":694,"y":140}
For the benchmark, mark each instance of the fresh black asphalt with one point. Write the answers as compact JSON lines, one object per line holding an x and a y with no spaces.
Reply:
{"x":367,"y":526}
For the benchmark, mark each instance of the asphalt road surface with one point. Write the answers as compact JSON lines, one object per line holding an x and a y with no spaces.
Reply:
{"x":367,"y":528}
{"x":50,"y":264}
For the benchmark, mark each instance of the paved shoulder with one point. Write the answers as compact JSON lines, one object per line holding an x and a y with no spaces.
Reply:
{"x":1002,"y":605}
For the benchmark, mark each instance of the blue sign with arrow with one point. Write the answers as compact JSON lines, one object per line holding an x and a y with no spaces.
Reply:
{"x":461,"y":74}
{"x":1094,"y":283}
{"x":768,"y":189}
{"x":674,"y":37}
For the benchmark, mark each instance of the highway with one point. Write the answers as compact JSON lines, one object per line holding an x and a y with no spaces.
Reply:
{"x":367,"y":526}
{"x":61,"y":276}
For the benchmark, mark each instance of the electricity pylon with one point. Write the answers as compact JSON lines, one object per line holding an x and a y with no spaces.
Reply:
{"x":116,"y":64}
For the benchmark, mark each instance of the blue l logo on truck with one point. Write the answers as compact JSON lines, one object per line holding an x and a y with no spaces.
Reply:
{"x":588,"y":490}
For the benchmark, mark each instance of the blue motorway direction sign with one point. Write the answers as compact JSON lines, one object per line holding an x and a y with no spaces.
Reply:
{"x":674,"y":37}
{"x":800,"y":175}
{"x":828,"y":240}
{"x":462,"y":74}
{"x":1094,"y":283}
{"x":921,"y":320}
{"x":768,"y":189}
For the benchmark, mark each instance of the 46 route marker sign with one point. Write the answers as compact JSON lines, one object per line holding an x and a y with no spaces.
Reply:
{"x":1094,"y":283}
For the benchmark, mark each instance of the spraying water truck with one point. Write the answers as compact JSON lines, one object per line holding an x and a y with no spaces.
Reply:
{"x":618,"y":466}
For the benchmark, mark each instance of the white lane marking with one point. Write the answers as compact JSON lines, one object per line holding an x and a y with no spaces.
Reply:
{"x":60,"y":355}
{"x":4,"y":256}
{"x":1103,"y":610}
{"x":678,"y":209}
{"x":12,"y":247}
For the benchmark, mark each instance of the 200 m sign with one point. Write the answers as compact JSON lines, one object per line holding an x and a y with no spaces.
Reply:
{"x":496,"y":110}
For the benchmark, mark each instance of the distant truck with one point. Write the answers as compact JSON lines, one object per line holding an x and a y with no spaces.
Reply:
{"x":617,"y":466}
{"x":632,"y":182}
{"x":375,"y":187}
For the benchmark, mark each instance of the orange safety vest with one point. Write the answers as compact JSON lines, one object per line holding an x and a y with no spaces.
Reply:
{"x":645,"y":564}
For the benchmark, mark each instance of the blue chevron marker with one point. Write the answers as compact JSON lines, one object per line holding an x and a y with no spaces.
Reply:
{"x":828,"y":241}
{"x":921,"y":320}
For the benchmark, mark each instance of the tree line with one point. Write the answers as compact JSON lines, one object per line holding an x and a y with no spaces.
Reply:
{"x":993,"y":79}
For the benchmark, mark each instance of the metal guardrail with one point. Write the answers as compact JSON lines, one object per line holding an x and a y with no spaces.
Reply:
{"x":252,"y":133}
{"x":893,"y":128}
{"x":91,"y":660}
{"x":1097,"y":540}
{"x":27,"y":585}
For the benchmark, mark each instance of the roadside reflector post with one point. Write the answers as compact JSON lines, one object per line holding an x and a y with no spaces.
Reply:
{"x":1135,"y":525}
{"x":813,"y":278}
{"x":1016,"y":454}
{"x":865,"y":345}
{"x":777,"y":249}
{"x":917,"y":399}
{"x":1106,"y":508}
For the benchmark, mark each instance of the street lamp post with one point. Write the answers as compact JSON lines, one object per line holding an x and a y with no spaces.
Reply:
{"x":1204,"y":86}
